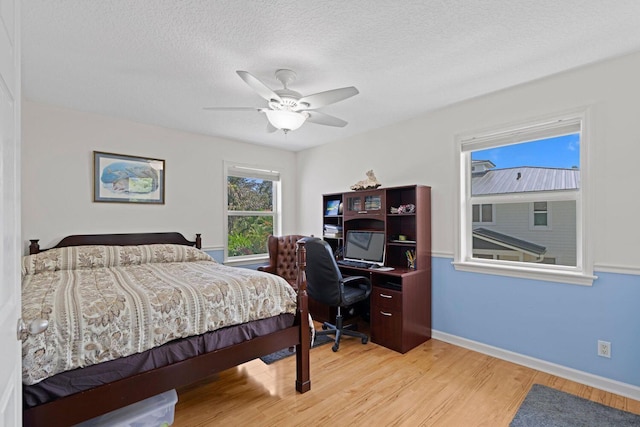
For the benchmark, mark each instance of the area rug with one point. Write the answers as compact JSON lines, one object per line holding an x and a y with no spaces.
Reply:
{"x":285,"y":352}
{"x":547,"y":407}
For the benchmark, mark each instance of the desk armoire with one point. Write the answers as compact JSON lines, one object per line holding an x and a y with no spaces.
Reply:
{"x":400,"y":304}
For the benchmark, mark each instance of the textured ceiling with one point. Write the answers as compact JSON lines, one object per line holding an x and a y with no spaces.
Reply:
{"x":162,"y":61}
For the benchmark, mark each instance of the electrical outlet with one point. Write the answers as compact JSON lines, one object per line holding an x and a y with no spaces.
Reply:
{"x":604,"y":349}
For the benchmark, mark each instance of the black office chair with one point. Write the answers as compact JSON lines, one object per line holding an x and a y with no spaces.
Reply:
{"x":325,"y":284}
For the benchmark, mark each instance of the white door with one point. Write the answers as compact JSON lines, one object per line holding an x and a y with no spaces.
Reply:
{"x":10,"y":247}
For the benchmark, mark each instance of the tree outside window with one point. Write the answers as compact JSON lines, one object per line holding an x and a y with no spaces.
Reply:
{"x":251,"y":211}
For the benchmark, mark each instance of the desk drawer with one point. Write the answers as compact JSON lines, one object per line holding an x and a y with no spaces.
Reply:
{"x":382,"y":298}
{"x":386,"y":328}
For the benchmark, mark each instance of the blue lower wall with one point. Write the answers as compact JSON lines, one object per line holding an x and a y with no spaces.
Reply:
{"x":555,"y":322}
{"x":218,"y":255}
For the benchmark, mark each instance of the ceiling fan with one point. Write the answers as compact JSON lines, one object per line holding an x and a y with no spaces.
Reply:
{"x":287,"y":109}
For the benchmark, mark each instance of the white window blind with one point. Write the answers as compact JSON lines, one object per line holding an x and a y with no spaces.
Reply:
{"x":248,"y":172}
{"x":530,"y":133}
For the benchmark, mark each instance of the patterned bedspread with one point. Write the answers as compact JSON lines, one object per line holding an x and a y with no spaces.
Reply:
{"x":106,"y":302}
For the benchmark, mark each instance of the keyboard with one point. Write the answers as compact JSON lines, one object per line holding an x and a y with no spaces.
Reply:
{"x":358,"y":264}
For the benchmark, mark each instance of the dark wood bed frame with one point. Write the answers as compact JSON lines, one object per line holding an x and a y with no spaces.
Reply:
{"x":85,"y":405}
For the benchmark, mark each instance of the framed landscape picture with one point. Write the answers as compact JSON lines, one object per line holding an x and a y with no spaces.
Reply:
{"x":332,"y":207}
{"x":127,"y":179}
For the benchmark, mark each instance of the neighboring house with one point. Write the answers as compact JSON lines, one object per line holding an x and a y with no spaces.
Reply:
{"x":542,"y":231}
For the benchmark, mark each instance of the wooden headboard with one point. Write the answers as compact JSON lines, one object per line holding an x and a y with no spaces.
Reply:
{"x":127,"y":239}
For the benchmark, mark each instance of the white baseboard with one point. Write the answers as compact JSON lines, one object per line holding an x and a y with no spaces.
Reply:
{"x":612,"y":386}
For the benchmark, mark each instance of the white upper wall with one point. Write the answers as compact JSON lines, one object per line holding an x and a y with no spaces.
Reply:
{"x":58,"y":145}
{"x":423,"y":151}
{"x":57,"y":177}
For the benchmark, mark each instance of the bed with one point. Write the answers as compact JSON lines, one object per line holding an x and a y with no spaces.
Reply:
{"x":252,"y":314}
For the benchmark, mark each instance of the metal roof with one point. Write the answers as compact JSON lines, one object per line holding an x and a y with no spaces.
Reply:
{"x":491,"y":236}
{"x":524,"y":179}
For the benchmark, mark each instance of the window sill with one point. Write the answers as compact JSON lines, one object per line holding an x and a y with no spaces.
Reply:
{"x":247,"y":260}
{"x":570,"y":277}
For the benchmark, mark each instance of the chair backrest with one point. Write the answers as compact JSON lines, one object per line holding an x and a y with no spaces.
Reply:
{"x":324,"y":279}
{"x":282,"y":252}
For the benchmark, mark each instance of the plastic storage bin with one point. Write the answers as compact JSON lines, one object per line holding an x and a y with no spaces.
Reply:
{"x":156,"y":411}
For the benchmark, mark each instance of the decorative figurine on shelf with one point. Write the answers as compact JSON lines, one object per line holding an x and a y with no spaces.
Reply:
{"x":365,"y":184}
{"x":408,"y":208}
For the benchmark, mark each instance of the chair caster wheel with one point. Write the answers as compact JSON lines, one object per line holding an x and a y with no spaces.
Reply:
{"x":365,"y":340}
{"x":334,"y":348}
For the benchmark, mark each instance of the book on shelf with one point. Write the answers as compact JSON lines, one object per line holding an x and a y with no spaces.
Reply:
{"x":333,"y":208}
{"x":333,"y":235}
{"x":372,"y":205}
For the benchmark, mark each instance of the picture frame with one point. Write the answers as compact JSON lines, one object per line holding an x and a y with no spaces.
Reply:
{"x":120,"y":178}
{"x":332,"y":208}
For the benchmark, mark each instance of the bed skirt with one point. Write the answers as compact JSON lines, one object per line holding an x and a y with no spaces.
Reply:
{"x":82,"y":379}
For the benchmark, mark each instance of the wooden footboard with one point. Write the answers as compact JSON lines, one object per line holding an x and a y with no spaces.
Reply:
{"x":303,"y":382}
{"x":85,"y":405}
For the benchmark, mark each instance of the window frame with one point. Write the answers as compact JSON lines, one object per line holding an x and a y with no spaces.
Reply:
{"x":501,"y":135}
{"x":493,"y":214}
{"x":259,"y":172}
{"x":532,"y":214}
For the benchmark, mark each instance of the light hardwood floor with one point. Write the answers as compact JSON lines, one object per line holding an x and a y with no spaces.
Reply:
{"x":435,"y":384}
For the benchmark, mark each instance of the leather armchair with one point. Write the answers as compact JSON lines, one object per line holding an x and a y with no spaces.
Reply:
{"x":282,"y":257}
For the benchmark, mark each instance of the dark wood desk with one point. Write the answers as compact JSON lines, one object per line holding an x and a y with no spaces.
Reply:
{"x":400,"y":306}
{"x":400,"y":303}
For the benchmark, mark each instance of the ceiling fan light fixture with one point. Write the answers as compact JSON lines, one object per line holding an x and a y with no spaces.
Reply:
{"x":285,"y":120}
{"x":287,"y":109}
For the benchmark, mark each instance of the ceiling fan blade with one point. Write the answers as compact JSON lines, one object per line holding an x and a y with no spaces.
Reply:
{"x":257,"y":85}
{"x":231,"y":108}
{"x":321,"y":99}
{"x":325,"y":119}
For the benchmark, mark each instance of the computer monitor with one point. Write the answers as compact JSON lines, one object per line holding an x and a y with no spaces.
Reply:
{"x":367,"y":246}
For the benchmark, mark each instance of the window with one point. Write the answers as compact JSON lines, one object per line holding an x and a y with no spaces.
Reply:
{"x":540,"y":216}
{"x":251,"y":211}
{"x":483,"y":214}
{"x":511,"y":180}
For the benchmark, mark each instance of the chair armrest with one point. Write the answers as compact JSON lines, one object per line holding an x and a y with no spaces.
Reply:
{"x":359,"y":281}
{"x":268,"y":268}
